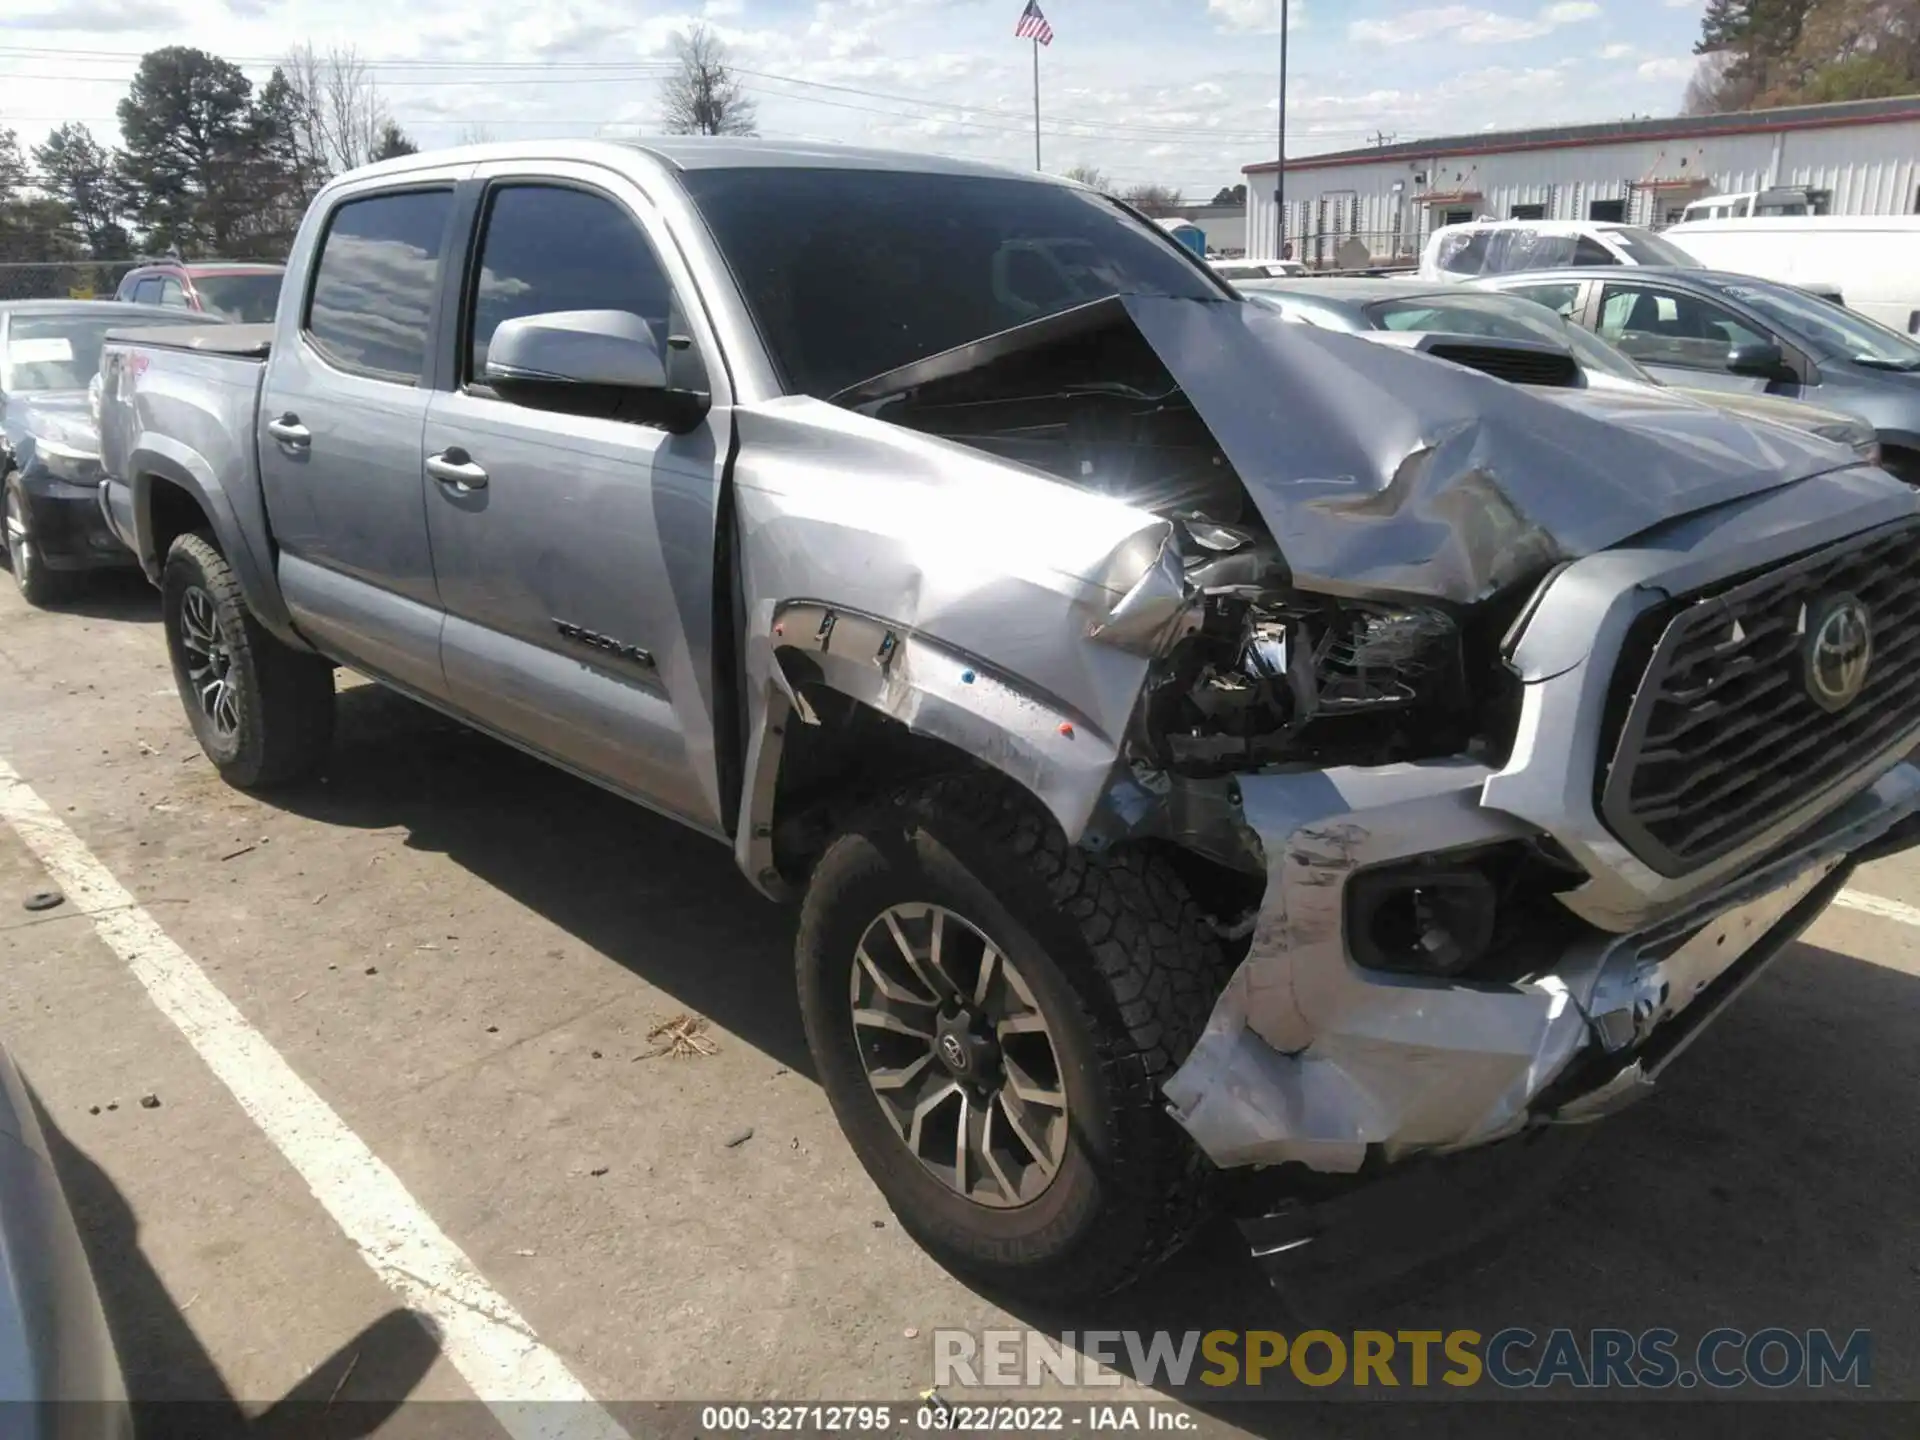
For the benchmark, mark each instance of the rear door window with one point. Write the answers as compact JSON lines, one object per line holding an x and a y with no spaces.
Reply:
{"x":375,"y":281}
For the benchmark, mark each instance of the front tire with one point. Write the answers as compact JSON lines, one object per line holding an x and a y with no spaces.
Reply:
{"x":261,"y":710}
{"x":39,"y":585}
{"x":992,"y":1011}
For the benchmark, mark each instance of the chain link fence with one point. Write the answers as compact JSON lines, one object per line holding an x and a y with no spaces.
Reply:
{"x":62,"y":279}
{"x":1359,"y":250}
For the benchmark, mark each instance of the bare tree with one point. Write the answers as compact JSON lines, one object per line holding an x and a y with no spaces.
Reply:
{"x":704,"y":97}
{"x":341,"y":115}
{"x":1092,"y":177}
{"x":1718,"y":87}
{"x":476,"y":135}
{"x":1156,"y":201}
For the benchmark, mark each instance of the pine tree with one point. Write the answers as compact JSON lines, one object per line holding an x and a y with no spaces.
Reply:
{"x":189,"y":158}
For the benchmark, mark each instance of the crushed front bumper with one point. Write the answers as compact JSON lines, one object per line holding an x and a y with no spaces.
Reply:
{"x":1310,"y":1058}
{"x":69,"y":529}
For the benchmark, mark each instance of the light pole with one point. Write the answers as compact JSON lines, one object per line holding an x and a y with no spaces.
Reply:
{"x":1280,"y":176}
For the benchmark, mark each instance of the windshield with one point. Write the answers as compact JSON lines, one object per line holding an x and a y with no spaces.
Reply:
{"x":863,"y":271}
{"x":53,"y":352}
{"x":1505,"y":317}
{"x":248,"y":299}
{"x":1644,"y":247}
{"x":1837,"y":333}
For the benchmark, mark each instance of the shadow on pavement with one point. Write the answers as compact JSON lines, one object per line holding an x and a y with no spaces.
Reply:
{"x":643,"y":890}
{"x":113,"y":595}
{"x":177,"y":1391}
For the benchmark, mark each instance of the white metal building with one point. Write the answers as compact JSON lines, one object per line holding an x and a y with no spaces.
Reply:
{"x":1861,"y":157}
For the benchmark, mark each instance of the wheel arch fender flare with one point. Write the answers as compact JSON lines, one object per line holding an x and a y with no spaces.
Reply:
{"x":157,"y":461}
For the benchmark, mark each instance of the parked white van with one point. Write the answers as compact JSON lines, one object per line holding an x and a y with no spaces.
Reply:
{"x":1498,"y":247}
{"x":1746,"y":204}
{"x":1872,"y":261}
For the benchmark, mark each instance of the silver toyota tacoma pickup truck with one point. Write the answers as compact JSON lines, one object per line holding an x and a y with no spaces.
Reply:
{"x":1199,"y":742}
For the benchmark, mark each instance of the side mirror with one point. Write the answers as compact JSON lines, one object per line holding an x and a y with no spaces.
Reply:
{"x":1760,"y":359}
{"x":589,"y":362}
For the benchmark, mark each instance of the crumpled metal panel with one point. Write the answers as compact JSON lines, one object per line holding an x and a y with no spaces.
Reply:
{"x":1308,"y":1058}
{"x":975,"y":567}
{"x":1378,"y":470}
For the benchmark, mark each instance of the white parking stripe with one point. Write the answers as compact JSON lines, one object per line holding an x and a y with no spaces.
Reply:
{"x":528,"y":1387}
{"x":1873,"y":905}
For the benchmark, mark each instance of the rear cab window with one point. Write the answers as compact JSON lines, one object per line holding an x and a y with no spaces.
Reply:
{"x":374,"y":282}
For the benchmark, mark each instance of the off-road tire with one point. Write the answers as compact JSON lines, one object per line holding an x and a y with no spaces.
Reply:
{"x":39,"y":585}
{"x":285,"y":697}
{"x":1126,"y":970}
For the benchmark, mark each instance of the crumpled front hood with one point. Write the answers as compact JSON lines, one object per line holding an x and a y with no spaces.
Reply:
{"x":1382,"y":470}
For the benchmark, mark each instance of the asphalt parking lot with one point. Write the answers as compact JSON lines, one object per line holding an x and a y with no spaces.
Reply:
{"x":463,"y":954}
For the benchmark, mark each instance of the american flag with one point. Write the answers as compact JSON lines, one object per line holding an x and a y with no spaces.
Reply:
{"x":1033,"y":25}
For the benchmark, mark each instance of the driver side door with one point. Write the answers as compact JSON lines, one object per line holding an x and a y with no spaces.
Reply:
{"x":574,"y":554}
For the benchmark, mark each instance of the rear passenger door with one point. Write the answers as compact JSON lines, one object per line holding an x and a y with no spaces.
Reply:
{"x":341,"y":414}
{"x":575,"y":553}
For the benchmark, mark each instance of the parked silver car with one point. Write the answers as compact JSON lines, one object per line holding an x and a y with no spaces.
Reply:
{"x":59,"y":1377}
{"x":1198,"y":741}
{"x":1464,"y":319}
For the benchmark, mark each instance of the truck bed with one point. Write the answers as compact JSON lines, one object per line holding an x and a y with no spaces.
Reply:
{"x":240,"y":342}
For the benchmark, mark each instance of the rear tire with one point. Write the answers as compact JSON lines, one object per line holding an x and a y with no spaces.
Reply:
{"x":1110,"y":957}
{"x":39,"y":585}
{"x":261,"y":710}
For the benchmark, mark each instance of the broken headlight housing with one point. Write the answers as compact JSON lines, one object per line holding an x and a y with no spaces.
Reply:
{"x":1268,"y":679}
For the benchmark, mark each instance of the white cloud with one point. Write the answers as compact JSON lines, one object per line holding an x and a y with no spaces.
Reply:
{"x":1470,"y":25}
{"x":1677,"y":68}
{"x":1616,"y":52}
{"x":1257,"y":15}
{"x":1134,"y":87}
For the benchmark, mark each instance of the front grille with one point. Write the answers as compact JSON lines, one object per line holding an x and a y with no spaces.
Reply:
{"x":1721,"y":734}
{"x":1514,"y":365}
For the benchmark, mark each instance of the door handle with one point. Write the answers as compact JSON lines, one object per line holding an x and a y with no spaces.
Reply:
{"x":454,"y":468}
{"x":289,"y":431}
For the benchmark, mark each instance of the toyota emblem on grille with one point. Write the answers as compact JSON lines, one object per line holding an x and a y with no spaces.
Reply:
{"x":1838,"y":653}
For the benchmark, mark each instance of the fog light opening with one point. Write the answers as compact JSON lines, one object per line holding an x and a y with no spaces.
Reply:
{"x":1432,"y":922}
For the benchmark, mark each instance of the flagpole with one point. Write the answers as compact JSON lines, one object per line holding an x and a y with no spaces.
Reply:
{"x":1036,"y":102}
{"x":1280,"y":175}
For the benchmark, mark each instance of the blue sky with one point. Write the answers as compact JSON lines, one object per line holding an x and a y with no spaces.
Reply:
{"x":1177,"y":91}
